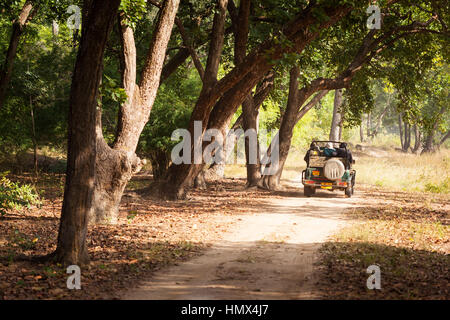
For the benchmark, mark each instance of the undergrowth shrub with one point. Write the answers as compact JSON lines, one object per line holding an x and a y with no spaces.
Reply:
{"x":14,"y":196}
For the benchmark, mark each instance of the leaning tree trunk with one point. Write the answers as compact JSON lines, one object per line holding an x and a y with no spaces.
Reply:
{"x":445,"y":137}
{"x":80,"y":176}
{"x":116,"y":166}
{"x":222,"y":123}
{"x":283,"y":138}
{"x":380,"y":121}
{"x":337,"y":116}
{"x":180,"y":177}
{"x":19,"y":25}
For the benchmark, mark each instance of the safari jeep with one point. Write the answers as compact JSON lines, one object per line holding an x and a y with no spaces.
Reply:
{"x":329,"y":166}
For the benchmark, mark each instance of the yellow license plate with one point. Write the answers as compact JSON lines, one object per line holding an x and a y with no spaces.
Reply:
{"x":316,"y":173}
{"x":326,"y":185}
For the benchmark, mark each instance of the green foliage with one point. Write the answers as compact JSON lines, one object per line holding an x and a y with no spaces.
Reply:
{"x":40,"y":82}
{"x":16,"y":197}
{"x":111,"y":90}
{"x":415,"y":67}
{"x":441,"y":188}
{"x":173,"y":106}
{"x":134,"y":11}
{"x":315,"y":125}
{"x":358,"y":99}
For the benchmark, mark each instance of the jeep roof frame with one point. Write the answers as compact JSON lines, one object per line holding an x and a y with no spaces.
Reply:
{"x":331,"y":142}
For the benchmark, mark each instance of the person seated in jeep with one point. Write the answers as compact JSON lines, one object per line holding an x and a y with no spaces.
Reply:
{"x":330,"y":151}
{"x":312,"y":148}
{"x":343,"y":152}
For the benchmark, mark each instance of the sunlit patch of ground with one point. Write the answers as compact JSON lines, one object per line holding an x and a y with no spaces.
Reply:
{"x":406,"y":234}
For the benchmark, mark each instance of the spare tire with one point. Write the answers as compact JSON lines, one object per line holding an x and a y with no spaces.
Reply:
{"x":334,"y":169}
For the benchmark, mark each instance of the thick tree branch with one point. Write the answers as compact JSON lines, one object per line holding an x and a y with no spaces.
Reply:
{"x":189,"y":45}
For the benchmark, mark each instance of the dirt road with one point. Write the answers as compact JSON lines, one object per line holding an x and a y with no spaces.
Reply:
{"x":269,"y":255}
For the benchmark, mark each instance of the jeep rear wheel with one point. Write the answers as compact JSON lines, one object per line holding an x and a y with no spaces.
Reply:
{"x":309,"y":191}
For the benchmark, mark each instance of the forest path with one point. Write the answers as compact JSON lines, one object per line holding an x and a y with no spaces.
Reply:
{"x":269,"y":255}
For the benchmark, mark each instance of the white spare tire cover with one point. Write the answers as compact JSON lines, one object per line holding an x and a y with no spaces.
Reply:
{"x":334,"y":169}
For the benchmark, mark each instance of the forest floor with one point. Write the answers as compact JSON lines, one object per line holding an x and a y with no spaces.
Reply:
{"x":231,"y":243}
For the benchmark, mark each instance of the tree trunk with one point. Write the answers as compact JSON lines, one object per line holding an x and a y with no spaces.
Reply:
{"x":116,"y":166}
{"x":26,"y":14}
{"x":33,"y":135}
{"x":380,"y":121}
{"x":80,"y":176}
{"x":271,"y":180}
{"x":361,"y":130}
{"x":160,"y":161}
{"x":407,"y":139}
{"x":182,"y":176}
{"x":337,"y":116}
{"x":55,"y":28}
{"x":400,"y":128}
{"x":428,"y":146}
{"x":249,"y":112}
{"x":251,"y":123}
{"x":369,"y":125}
{"x":417,"y":139}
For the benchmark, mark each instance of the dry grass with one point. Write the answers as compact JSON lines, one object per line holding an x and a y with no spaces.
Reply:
{"x":407,"y":172}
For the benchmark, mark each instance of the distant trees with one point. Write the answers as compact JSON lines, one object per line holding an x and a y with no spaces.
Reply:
{"x":27,"y":12}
